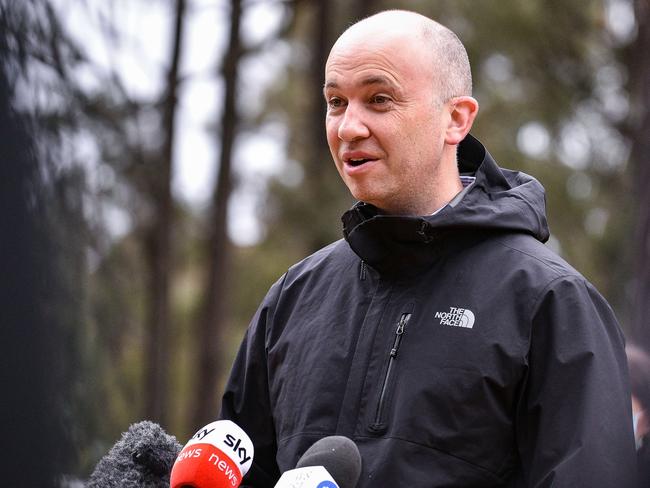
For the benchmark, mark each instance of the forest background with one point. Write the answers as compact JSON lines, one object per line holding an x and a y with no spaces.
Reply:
{"x":177,"y":165}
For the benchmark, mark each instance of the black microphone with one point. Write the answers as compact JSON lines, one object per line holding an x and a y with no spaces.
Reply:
{"x":144,"y":456}
{"x":332,"y":462}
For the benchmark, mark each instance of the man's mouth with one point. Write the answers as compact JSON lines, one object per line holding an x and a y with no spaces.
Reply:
{"x":357,"y":161}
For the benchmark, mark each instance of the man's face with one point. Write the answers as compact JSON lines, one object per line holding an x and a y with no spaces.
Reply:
{"x":385,"y":123}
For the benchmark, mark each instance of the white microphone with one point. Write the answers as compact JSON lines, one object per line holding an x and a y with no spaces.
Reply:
{"x":332,"y":462}
{"x":217,"y":456}
{"x":307,"y":477}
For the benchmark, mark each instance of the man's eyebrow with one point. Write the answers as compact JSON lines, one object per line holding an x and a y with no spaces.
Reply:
{"x":370,"y":80}
{"x":377,"y":80}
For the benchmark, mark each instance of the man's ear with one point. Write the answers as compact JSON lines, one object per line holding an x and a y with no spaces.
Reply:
{"x":463,"y":111}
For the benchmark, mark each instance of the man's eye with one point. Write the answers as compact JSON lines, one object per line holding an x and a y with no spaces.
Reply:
{"x":334,"y":102}
{"x":379,"y":99}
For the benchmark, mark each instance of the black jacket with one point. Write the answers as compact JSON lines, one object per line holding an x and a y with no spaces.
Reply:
{"x":456,"y":350}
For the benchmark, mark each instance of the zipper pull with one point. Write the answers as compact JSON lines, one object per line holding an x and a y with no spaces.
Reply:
{"x":402,"y":323}
{"x":399,"y":332}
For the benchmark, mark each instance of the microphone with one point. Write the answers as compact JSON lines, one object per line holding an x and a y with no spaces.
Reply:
{"x":217,"y":456}
{"x":142,"y":457}
{"x":332,"y":462}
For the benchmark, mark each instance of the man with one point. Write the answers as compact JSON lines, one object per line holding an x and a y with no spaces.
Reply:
{"x":441,"y":335}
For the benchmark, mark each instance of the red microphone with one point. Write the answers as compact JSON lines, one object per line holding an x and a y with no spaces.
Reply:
{"x":217,"y":456}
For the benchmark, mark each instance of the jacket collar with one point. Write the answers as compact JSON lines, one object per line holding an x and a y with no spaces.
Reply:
{"x":402,"y":245}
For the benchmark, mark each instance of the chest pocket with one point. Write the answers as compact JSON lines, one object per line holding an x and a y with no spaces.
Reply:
{"x":450,"y":389}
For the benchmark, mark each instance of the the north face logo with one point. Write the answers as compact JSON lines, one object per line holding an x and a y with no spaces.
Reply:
{"x":456,"y":317}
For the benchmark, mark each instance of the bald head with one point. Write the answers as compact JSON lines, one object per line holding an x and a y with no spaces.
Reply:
{"x":397,"y":88}
{"x":443,"y":53}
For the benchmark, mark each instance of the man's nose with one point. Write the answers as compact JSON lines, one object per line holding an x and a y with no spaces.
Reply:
{"x":352,"y":126}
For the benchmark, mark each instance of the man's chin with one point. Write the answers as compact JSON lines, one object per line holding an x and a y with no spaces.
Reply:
{"x":371,"y":199}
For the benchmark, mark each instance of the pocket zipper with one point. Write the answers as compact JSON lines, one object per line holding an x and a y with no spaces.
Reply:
{"x":399,"y":332}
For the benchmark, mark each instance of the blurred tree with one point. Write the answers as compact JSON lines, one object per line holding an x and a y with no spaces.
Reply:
{"x":128,"y":309}
{"x":159,"y":242}
{"x":638,"y":58}
{"x":128,"y":148}
{"x":41,"y":258}
{"x":214,"y":315}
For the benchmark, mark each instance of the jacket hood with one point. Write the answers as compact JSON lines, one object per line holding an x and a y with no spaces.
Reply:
{"x":499,"y":200}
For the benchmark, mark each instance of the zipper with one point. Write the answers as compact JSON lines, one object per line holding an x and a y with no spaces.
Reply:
{"x":392,"y":357}
{"x":362,"y":271}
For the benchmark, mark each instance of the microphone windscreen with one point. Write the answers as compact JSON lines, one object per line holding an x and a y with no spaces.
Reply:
{"x":339,"y":455}
{"x":144,"y":456}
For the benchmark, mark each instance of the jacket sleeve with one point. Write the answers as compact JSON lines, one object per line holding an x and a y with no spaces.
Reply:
{"x":246,"y":397}
{"x":574,"y":420}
